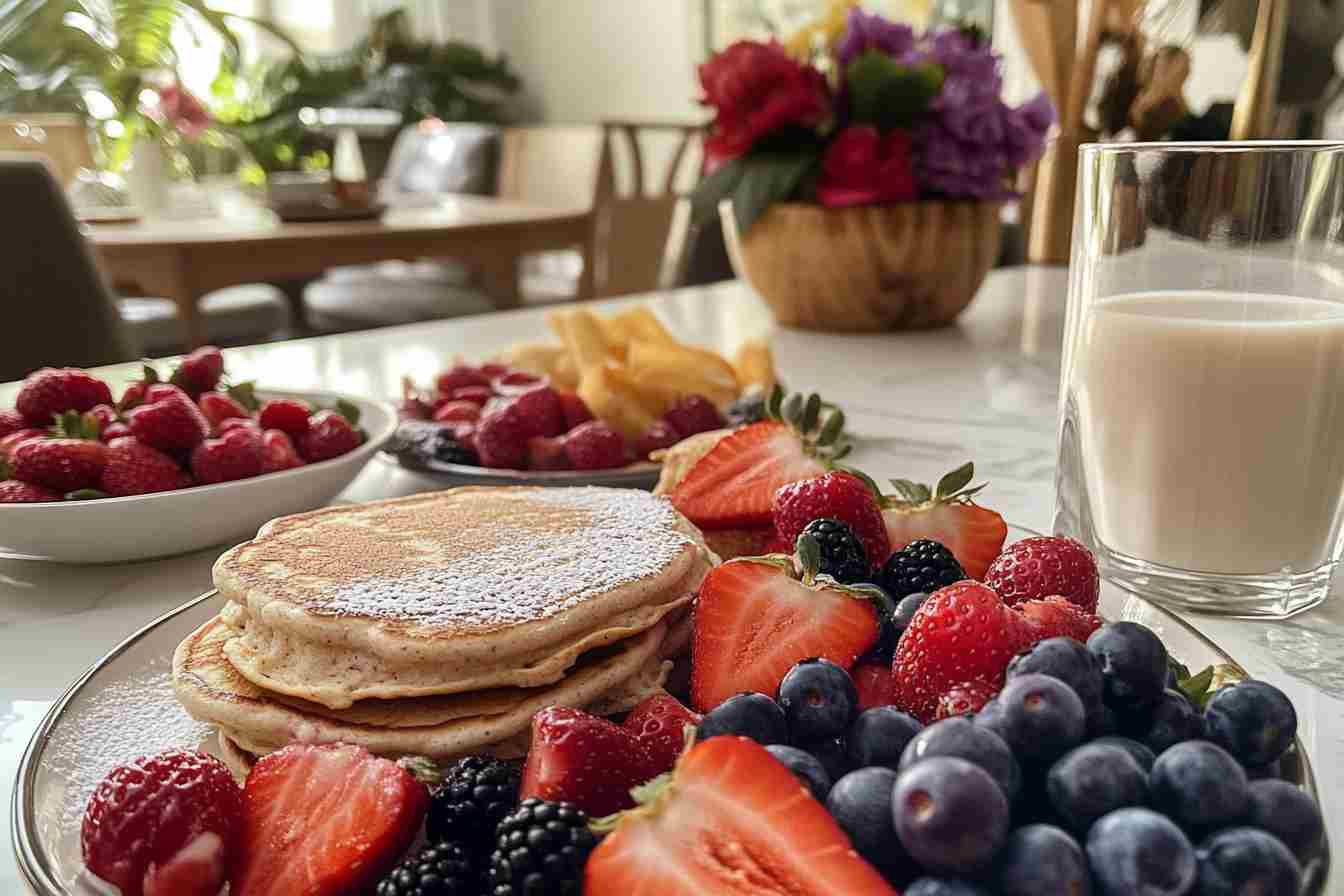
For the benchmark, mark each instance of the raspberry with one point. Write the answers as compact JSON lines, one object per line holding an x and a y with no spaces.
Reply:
{"x":694,"y":414}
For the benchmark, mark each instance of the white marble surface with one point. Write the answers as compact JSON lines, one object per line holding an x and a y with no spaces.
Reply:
{"x":920,"y":403}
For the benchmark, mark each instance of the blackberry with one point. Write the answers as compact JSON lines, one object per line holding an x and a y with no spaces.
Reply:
{"x":921,"y":565}
{"x":842,"y":555}
{"x":746,"y":410}
{"x":449,"y":450}
{"x":541,"y":850}
{"x":444,"y":869}
{"x":474,"y":797}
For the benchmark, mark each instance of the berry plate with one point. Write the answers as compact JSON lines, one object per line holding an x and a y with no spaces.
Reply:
{"x":117,"y":530}
{"x":407,"y":452}
{"x":123,"y":707}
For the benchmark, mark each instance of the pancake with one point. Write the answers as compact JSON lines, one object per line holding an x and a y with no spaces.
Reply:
{"x":211,"y":689}
{"x":468,"y":581}
{"x":337,"y":679}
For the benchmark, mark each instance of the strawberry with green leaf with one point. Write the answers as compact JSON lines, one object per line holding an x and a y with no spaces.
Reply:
{"x":946,"y":514}
{"x":734,"y":485}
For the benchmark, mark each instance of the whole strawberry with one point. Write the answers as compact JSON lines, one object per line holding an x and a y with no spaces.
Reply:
{"x":51,"y":391}
{"x":459,"y":376}
{"x":287,"y":415}
{"x":501,"y":439}
{"x":694,"y":414}
{"x":1057,"y":617}
{"x":134,"y":468}
{"x":540,"y":410}
{"x":962,"y":633}
{"x":218,"y":407}
{"x":964,"y":699}
{"x":145,"y":817}
{"x":1036,"y":568}
{"x":329,"y":435}
{"x":547,"y":453}
{"x":238,"y":423}
{"x":15,"y":439}
{"x":12,"y":491}
{"x":454,"y":411}
{"x":11,"y":422}
{"x":199,"y":371}
{"x":660,"y":722}
{"x":62,"y":465}
{"x":595,"y":446}
{"x":171,"y":423}
{"x":837,"y":495}
{"x":278,"y":452}
{"x":105,"y":415}
{"x":477,"y":395}
{"x":114,"y":431}
{"x":235,"y":455}
{"x":658,"y":436}
{"x":575,"y":409}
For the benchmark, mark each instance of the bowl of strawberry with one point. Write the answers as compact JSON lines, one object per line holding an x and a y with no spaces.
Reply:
{"x":171,"y":464}
{"x":492,"y":424}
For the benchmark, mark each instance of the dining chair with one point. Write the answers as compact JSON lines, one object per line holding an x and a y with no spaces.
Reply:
{"x":641,"y":211}
{"x":62,"y":139}
{"x":59,"y":311}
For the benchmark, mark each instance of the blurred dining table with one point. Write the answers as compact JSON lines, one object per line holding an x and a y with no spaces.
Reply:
{"x":183,"y":259}
{"x":917,"y":404}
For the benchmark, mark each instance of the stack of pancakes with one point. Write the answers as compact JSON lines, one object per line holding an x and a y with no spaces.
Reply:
{"x":437,"y":625}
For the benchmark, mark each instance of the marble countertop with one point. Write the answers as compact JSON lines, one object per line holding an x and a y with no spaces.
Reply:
{"x":918,"y":403}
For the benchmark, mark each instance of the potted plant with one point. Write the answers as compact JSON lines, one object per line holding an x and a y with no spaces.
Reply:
{"x":860,"y":187}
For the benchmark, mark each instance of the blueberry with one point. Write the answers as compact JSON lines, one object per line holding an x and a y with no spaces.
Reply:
{"x":1199,"y":785}
{"x":748,"y":715}
{"x":1142,"y":754}
{"x":1103,"y":722}
{"x":961,"y":738}
{"x":1273,"y":771}
{"x":1095,"y":780}
{"x":1137,"y":851}
{"x":832,"y":753}
{"x":943,"y":886}
{"x":1288,"y":813}
{"x":951,"y":816}
{"x":1040,"y":717}
{"x":1066,"y":659}
{"x":1252,"y":720}
{"x":860,"y":803}
{"x":906,"y":608}
{"x":1247,"y":860}
{"x":805,"y":767}
{"x":819,"y":700}
{"x":1174,"y":719}
{"x":1133,"y":664}
{"x":879,"y":736}
{"x":1040,"y":858}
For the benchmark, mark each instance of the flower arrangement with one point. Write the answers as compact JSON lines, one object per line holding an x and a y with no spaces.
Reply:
{"x":901,"y":117}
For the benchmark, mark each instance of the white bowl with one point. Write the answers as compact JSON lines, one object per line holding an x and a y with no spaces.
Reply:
{"x":117,"y":530}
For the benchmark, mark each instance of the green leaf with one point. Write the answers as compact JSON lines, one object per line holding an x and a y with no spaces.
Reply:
{"x":768,"y":177}
{"x":832,"y":428}
{"x":1178,"y":668}
{"x":808,"y":550}
{"x":793,"y":409}
{"x":713,"y":190}
{"x":862,"y":476}
{"x":887,"y":94}
{"x":955,"y":481}
{"x":246,"y":395}
{"x":349,"y":410}
{"x":810,"y":411}
{"x":774,"y":405}
{"x":149,"y":373}
{"x":85,"y":494}
{"x":913,"y":492}
{"x":5,"y":470}
{"x":1197,"y":687}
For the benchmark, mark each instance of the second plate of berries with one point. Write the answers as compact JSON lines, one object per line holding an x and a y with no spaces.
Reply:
{"x":169,"y":464}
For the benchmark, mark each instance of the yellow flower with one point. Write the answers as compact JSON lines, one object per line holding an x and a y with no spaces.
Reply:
{"x":824,"y":31}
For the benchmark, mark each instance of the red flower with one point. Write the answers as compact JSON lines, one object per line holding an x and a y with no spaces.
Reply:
{"x":862,"y":167}
{"x":757,"y":89}
{"x":180,"y":109}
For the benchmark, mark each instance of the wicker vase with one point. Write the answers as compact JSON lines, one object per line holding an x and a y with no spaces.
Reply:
{"x":884,"y":267}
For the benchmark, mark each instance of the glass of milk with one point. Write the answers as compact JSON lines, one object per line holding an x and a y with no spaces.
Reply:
{"x":1201,"y":444}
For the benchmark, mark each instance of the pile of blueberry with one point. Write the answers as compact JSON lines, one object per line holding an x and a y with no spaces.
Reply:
{"x":1091,"y":772}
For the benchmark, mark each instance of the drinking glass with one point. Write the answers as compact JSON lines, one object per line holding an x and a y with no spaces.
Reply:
{"x":1201,"y":440}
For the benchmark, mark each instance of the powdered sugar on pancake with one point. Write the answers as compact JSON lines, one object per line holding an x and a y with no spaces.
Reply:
{"x":529,"y":573}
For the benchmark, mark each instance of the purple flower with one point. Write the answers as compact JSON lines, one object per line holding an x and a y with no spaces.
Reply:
{"x":948,"y":166}
{"x":970,"y":66}
{"x":869,"y":31}
{"x":1024,"y":130}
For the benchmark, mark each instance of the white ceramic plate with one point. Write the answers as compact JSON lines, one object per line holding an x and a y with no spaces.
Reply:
{"x":117,"y":530}
{"x":123,"y":707}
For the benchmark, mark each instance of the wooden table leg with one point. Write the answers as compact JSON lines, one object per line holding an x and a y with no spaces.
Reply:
{"x":498,"y":270}
{"x":178,"y":286}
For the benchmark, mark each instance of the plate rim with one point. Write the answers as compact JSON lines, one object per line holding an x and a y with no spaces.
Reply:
{"x":368,"y":449}
{"x":34,"y":871}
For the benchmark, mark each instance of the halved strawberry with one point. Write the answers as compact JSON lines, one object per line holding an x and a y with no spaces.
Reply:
{"x":947,"y":515}
{"x":579,"y":758}
{"x":734,"y":485}
{"x":733,"y":820}
{"x":324,"y":820}
{"x":754,"y":620}
{"x":873,"y":680}
{"x":962,"y":633}
{"x":660,"y":721}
